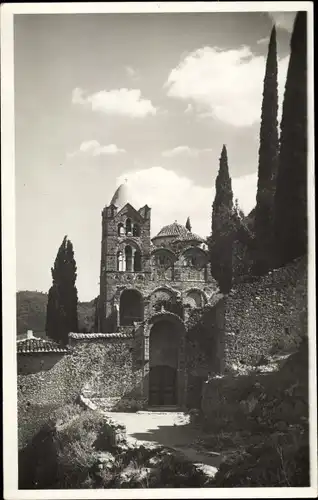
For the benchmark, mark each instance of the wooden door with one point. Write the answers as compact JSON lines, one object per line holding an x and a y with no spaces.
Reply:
{"x":162,"y":386}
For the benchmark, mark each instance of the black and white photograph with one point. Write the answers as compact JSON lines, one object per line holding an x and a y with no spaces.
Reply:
{"x":158,"y":250}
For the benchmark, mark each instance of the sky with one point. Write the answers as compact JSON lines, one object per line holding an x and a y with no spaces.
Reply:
{"x":151,"y":98}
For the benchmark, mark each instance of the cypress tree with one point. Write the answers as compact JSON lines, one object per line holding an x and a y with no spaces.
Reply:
{"x":291,"y":185}
{"x":267,"y":164}
{"x":61,"y":317}
{"x":221,"y":240}
{"x":188,"y":224}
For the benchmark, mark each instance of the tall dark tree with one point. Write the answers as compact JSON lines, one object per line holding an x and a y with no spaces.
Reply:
{"x":267,"y":164}
{"x":61,"y":316}
{"x":188,"y":224}
{"x":221,"y":240}
{"x":291,"y":185}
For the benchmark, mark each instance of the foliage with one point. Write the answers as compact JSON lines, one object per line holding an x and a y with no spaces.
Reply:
{"x":61,"y":315}
{"x":71,"y":441}
{"x":280,"y":460}
{"x":79,"y":448}
{"x":220,"y":242}
{"x":31,"y":313}
{"x":291,"y":186}
{"x":260,"y":423}
{"x":31,"y":418}
{"x":267,"y":164}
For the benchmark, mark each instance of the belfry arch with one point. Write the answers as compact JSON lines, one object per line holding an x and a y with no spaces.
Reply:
{"x":131,"y":307}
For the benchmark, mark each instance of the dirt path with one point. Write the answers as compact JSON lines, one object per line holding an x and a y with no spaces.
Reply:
{"x":171,"y":429}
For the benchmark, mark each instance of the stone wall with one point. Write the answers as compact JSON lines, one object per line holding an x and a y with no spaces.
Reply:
{"x":266,"y":315}
{"x":105,"y":369}
{"x":204,"y":348}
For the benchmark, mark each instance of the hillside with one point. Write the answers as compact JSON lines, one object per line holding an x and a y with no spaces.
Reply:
{"x":31,"y":313}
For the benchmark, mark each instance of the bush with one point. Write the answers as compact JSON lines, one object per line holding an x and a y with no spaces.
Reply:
{"x":31,"y":418}
{"x":65,"y":453}
{"x":279,"y":460}
{"x":260,"y":423}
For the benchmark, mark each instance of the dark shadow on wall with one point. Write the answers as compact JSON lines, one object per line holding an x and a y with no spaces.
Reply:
{"x":37,"y":362}
{"x":111,"y":322}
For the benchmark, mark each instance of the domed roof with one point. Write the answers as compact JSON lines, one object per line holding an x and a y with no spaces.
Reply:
{"x":177,"y":231}
{"x":174,"y":229}
{"x":122,"y":196}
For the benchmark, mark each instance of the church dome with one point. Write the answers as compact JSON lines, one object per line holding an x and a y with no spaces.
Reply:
{"x":122,"y":196}
{"x":176,"y":232}
{"x":174,"y":229}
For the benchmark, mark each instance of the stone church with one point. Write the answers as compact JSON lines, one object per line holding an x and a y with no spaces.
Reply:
{"x":160,"y":292}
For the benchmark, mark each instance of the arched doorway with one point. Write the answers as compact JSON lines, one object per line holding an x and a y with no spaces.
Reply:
{"x":163,"y":363}
{"x":131,"y":308}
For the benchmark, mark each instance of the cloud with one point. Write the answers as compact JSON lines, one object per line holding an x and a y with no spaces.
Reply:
{"x":95,"y":149}
{"x":263,"y":41}
{"x":283,"y":20}
{"x":131,"y":72}
{"x":111,"y":149}
{"x":121,"y":102}
{"x":188,"y":109}
{"x":173,"y":197}
{"x":225,"y":84}
{"x":184,"y":150}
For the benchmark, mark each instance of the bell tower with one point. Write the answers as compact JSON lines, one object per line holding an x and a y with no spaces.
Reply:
{"x":125,"y":257}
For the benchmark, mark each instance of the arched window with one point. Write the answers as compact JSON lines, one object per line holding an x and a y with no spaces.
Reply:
{"x":163,"y":261}
{"x":194,"y":298}
{"x":137,"y":261}
{"x":120,"y":261}
{"x":131,"y":307}
{"x":189,"y":261}
{"x":136,"y":230}
{"x":128,"y":227}
{"x":128,"y":258}
{"x":194,"y":258}
{"x":121,"y":229}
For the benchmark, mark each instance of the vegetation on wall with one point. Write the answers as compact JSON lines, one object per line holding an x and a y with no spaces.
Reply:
{"x":61,"y":316}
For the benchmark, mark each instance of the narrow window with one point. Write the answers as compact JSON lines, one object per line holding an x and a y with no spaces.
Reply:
{"x":121,"y":230}
{"x":136,"y":230}
{"x":120,"y":261}
{"x":128,"y":258}
{"x":137,"y":261}
{"x":128,"y":227}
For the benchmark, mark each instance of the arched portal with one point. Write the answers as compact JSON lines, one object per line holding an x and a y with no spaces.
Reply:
{"x":164,"y":345}
{"x":131,"y":308}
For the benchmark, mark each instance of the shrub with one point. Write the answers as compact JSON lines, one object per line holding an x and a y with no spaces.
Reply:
{"x":66,"y":451}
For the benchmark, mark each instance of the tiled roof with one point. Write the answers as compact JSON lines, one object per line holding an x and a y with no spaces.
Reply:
{"x":34,"y":345}
{"x":178,"y":231}
{"x":190,"y":237}
{"x":91,"y":336}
